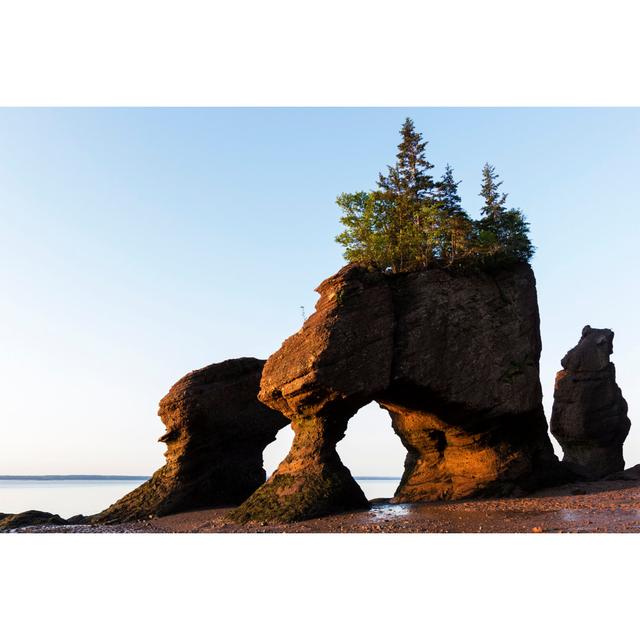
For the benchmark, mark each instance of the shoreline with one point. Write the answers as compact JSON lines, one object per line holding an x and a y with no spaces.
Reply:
{"x":606,"y":506}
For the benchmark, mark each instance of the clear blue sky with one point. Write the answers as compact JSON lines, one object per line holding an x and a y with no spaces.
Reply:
{"x":139,"y":244}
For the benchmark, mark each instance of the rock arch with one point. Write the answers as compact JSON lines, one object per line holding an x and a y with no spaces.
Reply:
{"x":373,"y":452}
{"x":453,"y":357}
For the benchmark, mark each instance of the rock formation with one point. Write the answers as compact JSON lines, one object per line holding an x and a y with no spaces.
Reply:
{"x":452,"y":357}
{"x":589,"y":417}
{"x":216,"y":431}
{"x":12,"y":521}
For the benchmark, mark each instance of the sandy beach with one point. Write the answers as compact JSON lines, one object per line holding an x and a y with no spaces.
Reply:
{"x":611,"y":506}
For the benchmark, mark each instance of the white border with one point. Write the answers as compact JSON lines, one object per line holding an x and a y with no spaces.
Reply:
{"x":338,"y":52}
{"x":318,"y":586}
{"x":79,"y":52}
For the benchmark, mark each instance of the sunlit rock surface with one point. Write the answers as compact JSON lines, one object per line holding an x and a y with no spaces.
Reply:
{"x":453,"y":358}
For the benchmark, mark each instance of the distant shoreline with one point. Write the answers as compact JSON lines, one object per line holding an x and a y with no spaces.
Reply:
{"x":74,"y":477}
{"x":110,"y":477}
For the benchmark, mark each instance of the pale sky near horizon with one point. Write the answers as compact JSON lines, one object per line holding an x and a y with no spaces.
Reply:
{"x":139,"y":244}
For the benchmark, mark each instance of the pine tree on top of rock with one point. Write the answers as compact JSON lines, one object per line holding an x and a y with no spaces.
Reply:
{"x":503,"y":233}
{"x":454,"y":227}
{"x":411,"y":222}
{"x":494,"y":201}
{"x":401,"y":196}
{"x":408,"y":178}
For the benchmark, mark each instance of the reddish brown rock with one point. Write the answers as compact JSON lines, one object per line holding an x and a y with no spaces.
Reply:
{"x":319,"y":379}
{"x":589,"y":417}
{"x":216,"y":431}
{"x":453,"y":357}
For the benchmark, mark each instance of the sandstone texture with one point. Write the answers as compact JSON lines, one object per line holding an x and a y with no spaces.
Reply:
{"x":589,"y":417}
{"x":452,"y":357}
{"x":216,"y":431}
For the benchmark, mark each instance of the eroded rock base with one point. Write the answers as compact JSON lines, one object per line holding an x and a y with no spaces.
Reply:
{"x":589,"y":417}
{"x":449,"y":462}
{"x":216,"y":431}
{"x":310,"y":482}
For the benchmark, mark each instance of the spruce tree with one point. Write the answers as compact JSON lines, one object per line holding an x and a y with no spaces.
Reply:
{"x":405,"y":189}
{"x":454,"y":225}
{"x":447,"y":192}
{"x":516,"y":245}
{"x":503,"y":233}
{"x":494,"y":201}
{"x":411,"y":222}
{"x":409,"y":177}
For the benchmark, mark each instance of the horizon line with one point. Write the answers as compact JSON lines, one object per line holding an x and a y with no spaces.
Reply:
{"x":129,"y":477}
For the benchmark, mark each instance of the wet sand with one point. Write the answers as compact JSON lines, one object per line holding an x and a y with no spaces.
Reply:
{"x":596,"y":507}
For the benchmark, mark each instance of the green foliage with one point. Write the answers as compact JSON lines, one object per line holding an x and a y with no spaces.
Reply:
{"x":412,"y":222}
{"x":508,"y":226}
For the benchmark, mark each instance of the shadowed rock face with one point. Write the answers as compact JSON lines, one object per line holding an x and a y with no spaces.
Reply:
{"x":11,"y":521}
{"x":589,"y":417}
{"x":453,"y":358}
{"x":216,"y":431}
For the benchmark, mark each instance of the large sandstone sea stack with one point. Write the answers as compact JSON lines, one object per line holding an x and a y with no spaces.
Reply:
{"x":216,"y":431}
{"x":454,"y":360}
{"x":589,"y":417}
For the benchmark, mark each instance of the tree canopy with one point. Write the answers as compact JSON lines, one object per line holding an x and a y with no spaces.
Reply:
{"x":412,"y":222}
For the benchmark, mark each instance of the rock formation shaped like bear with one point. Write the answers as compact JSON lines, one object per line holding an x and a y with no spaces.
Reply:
{"x":452,"y":357}
{"x":589,"y":417}
{"x":216,"y":431}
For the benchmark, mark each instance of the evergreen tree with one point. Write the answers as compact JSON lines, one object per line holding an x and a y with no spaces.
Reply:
{"x":514,"y":237}
{"x":409,"y":177}
{"x":405,"y":189}
{"x":493,"y":200}
{"x":454,"y":225}
{"x":411,"y":222}
{"x":447,"y":192}
{"x":502,"y":232}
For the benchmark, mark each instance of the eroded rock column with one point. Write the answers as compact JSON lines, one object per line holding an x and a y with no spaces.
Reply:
{"x":465,"y":394}
{"x":216,"y":431}
{"x":319,"y":378}
{"x":589,"y":417}
{"x":447,"y":461}
{"x":311,"y":481}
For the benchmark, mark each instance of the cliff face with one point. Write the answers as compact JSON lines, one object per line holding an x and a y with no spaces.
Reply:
{"x":589,"y":417}
{"x":216,"y":431}
{"x":453,"y":358}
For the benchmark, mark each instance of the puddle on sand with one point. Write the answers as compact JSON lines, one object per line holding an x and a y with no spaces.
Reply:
{"x":390,"y":511}
{"x":569,"y":515}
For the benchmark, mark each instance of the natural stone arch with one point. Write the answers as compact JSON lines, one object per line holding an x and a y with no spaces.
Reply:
{"x":373,"y":452}
{"x":453,"y":357}
{"x":276,"y":451}
{"x":452,"y":457}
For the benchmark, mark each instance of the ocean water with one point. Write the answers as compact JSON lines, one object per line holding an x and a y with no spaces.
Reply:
{"x":65,"y":497}
{"x":378,"y":487}
{"x":69,"y":497}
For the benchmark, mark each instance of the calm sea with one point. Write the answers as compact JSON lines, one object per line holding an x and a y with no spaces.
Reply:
{"x":70,"y":496}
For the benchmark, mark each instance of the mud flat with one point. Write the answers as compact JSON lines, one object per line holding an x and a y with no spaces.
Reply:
{"x":608,"y":506}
